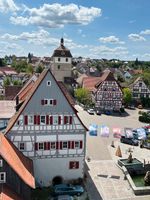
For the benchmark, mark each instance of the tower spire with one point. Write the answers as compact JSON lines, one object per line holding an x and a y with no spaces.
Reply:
{"x":62,"y":41}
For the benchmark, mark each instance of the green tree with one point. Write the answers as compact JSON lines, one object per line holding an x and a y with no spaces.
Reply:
{"x":39,"y":69}
{"x":7,"y":81}
{"x":17,"y":82}
{"x":83,"y":96}
{"x":29,"y":69}
{"x":127,"y":96}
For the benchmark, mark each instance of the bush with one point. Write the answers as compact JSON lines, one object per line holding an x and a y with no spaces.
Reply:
{"x":122,"y":110}
{"x":144,"y":119}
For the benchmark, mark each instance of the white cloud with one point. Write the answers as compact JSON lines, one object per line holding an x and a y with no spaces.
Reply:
{"x":107,"y":51}
{"x":146,"y":32}
{"x":136,"y":37}
{"x":111,"y":39}
{"x":8,"y":5}
{"x":132,"y":21}
{"x":57,"y":15}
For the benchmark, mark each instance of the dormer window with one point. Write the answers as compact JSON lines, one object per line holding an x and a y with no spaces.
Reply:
{"x":48,"y":83}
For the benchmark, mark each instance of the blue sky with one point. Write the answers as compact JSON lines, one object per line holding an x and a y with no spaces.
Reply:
{"x":95,"y":28}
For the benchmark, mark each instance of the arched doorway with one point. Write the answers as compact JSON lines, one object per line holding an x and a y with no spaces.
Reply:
{"x":57,"y":180}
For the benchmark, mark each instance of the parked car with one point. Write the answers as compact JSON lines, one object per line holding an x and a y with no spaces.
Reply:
{"x":130,"y":141}
{"x":107,"y":112}
{"x":98,"y":112}
{"x":68,"y":189}
{"x":91,"y":111}
{"x":63,"y":197}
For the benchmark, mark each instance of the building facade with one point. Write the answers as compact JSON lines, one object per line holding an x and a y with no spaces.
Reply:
{"x":139,"y":89}
{"x":48,"y":130}
{"x":61,"y":66}
{"x":105,"y":90}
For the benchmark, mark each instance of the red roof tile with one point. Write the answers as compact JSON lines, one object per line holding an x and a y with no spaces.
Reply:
{"x":22,"y":165}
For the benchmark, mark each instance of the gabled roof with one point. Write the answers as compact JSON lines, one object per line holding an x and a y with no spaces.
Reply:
{"x":22,"y":165}
{"x":33,"y":90}
{"x":62,"y":51}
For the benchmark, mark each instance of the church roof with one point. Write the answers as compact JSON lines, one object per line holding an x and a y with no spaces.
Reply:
{"x":62,"y":51}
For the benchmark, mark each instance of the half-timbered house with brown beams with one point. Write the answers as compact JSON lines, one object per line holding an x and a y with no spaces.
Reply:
{"x":48,"y":130}
{"x":16,"y":172}
{"x":105,"y":90}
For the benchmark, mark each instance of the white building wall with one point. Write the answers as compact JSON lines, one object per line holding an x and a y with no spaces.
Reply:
{"x":46,"y":169}
{"x":62,"y":60}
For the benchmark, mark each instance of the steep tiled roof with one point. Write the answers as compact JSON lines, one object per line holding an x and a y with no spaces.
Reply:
{"x":33,"y":90}
{"x":91,"y":83}
{"x":62,"y":51}
{"x":22,"y":165}
{"x":8,"y":70}
{"x":6,"y":193}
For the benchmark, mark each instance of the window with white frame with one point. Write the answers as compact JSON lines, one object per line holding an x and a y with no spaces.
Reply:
{"x":55,"y":119}
{"x":30,"y":119}
{"x":1,"y":163}
{"x":41,"y":146}
{"x":48,"y":83}
{"x":2,"y":177}
{"x":65,"y":145}
{"x":77,"y":144}
{"x":42,"y":119}
{"x":53,"y":145}
{"x":51,"y":102}
{"x":21,"y":146}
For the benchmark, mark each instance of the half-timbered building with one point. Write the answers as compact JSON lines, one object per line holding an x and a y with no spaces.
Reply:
{"x":16,"y":172}
{"x":48,"y":130}
{"x":105,"y":90}
{"x":139,"y":89}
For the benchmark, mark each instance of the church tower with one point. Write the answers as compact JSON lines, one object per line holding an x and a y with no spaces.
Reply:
{"x":61,"y":66}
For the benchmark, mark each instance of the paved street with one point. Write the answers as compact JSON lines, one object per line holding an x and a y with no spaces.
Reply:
{"x":105,"y":179}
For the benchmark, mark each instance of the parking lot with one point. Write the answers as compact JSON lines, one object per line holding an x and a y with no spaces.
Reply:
{"x":102,"y":169}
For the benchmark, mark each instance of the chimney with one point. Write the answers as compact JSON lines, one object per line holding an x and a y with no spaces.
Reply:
{"x":17,"y":103}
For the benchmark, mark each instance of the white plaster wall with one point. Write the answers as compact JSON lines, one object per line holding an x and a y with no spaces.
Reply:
{"x":46,"y":169}
{"x":62,"y":60}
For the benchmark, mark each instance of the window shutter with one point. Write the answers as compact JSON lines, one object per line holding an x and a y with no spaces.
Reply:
{"x":65,"y":119}
{"x":72,"y":144}
{"x":60,"y":145}
{"x":59,"y":119}
{"x":45,"y":101}
{"x":54,"y":102}
{"x":70,"y":120}
{"x":48,"y":145}
{"x":36,"y":146}
{"x":69,"y":144}
{"x":25,"y":120}
{"x":38,"y":119}
{"x":57,"y":145}
{"x":51,"y":120}
{"x":81,"y":144}
{"x":35,"y":121}
{"x":45,"y":145}
{"x":42,"y":102}
{"x":47,"y":119}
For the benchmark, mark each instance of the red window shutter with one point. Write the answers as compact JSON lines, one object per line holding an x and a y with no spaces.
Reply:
{"x":69,"y":144}
{"x":25,"y":120}
{"x":42,"y":102}
{"x":57,"y":145}
{"x":54,"y":102}
{"x":65,"y":119}
{"x":48,"y":145}
{"x":81,"y":144}
{"x":72,"y":144}
{"x":70,"y":120}
{"x":36,"y":146}
{"x":45,"y":145}
{"x":47,"y":119}
{"x":59,"y":119}
{"x":35,"y":121}
{"x":51,"y":120}
{"x":60,"y":145}
{"x":77,"y":165}
{"x":38,"y":119}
